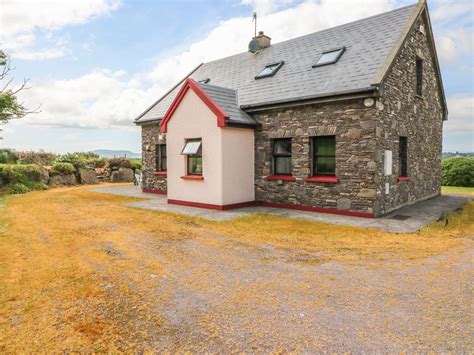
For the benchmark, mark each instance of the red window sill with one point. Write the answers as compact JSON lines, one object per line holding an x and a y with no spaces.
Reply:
{"x":160,"y":173}
{"x":192,"y":177}
{"x":330,"y":179}
{"x":403,"y":178}
{"x":281,"y":177}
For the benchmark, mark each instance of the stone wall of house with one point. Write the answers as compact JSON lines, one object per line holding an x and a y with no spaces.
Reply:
{"x":150,"y":137}
{"x":354,"y":127}
{"x":402,"y":113}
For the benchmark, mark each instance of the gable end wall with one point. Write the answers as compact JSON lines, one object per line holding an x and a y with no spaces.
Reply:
{"x":402,"y":113}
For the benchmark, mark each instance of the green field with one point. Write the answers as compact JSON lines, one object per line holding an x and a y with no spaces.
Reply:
{"x":457,"y":190}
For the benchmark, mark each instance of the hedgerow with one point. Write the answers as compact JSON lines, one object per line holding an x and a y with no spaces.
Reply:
{"x":458,"y":172}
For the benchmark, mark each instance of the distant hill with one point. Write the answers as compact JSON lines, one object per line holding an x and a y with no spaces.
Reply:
{"x":108,"y":153}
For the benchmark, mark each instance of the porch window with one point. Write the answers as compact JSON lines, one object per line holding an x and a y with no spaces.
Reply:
{"x":282,"y":156}
{"x":324,"y":155}
{"x":403,"y":156}
{"x":160,"y":155}
{"x":193,"y":151}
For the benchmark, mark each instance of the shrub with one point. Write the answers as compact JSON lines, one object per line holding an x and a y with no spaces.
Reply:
{"x":458,"y":172}
{"x":64,"y":168}
{"x":37,"y":186}
{"x":39,"y":158}
{"x":19,"y":188}
{"x":8,"y":156}
{"x":82,"y":160}
{"x":19,"y":173}
{"x":116,"y":163}
{"x":136,"y":164}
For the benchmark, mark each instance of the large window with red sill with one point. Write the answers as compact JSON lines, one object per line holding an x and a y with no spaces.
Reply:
{"x":324,"y":156}
{"x":403,"y":157}
{"x":282,"y":156}
{"x":193,"y":152}
{"x":160,"y":156}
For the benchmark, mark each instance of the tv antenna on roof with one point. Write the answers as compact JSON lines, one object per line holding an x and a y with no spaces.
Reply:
{"x":254,"y":18}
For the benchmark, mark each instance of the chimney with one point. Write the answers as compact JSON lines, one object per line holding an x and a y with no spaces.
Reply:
{"x":259,"y":42}
{"x":263,"y":40}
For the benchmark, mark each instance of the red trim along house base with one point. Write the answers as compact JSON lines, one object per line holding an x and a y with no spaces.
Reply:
{"x":211,"y":207}
{"x":315,"y":209}
{"x":271,"y":204}
{"x":149,"y":191}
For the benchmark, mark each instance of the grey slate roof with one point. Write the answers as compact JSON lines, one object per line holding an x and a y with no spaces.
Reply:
{"x":228,"y":100}
{"x":368,"y":42}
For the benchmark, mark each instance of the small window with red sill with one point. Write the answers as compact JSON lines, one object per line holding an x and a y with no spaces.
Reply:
{"x":193,"y":151}
{"x":282,"y":156}
{"x":160,"y":156}
{"x":403,"y":158}
{"x":324,"y":156}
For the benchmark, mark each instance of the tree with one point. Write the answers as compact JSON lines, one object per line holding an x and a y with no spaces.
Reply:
{"x":10,"y":108}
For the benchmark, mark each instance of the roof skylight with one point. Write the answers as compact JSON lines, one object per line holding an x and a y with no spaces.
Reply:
{"x":204,"y":81}
{"x":270,"y":70}
{"x":329,"y":57}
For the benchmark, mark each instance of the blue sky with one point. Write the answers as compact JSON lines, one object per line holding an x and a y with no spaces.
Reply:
{"x":94,"y":65}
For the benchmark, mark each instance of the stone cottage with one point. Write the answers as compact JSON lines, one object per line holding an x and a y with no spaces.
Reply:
{"x":347,"y":120}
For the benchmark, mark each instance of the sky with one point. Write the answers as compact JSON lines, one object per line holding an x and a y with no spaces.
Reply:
{"x":94,"y":65}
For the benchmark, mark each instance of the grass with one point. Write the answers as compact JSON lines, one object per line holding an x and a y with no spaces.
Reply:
{"x":75,"y":265}
{"x":458,"y":190}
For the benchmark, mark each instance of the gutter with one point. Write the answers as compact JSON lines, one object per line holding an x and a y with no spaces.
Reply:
{"x":371,"y":91}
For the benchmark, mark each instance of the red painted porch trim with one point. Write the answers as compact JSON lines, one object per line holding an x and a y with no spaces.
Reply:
{"x":403,"y":178}
{"x":222,"y":116}
{"x":321,"y":178}
{"x":280,"y":177}
{"x":211,"y":206}
{"x":315,"y":209}
{"x":150,"y":191}
{"x":192,"y":177}
{"x":160,"y":173}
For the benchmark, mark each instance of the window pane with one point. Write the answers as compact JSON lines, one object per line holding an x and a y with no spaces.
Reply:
{"x":269,"y":70}
{"x":283,"y":165}
{"x":194,"y":165}
{"x":403,"y":156}
{"x":326,"y":165}
{"x":163,"y":164}
{"x":324,"y":159}
{"x":191,"y":147}
{"x":325,"y":146}
{"x":282,"y":147}
{"x":329,"y":57}
{"x":163,"y":150}
{"x":419,"y":77}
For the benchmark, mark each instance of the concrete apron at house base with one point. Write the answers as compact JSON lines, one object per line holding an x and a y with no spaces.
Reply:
{"x":405,"y":220}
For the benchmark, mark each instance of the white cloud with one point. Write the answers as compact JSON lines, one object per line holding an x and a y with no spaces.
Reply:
{"x":104,"y":98}
{"x":264,"y":7}
{"x":461,"y":113}
{"x":452,"y":21}
{"x":100,"y":99}
{"x":23,"y":22}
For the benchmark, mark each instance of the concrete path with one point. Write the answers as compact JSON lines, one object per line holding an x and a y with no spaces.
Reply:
{"x":405,"y":220}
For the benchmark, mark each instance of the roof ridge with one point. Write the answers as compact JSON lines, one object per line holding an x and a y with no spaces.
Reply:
{"x":320,"y":31}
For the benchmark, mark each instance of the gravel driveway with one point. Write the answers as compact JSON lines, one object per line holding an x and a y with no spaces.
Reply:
{"x":230,"y":297}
